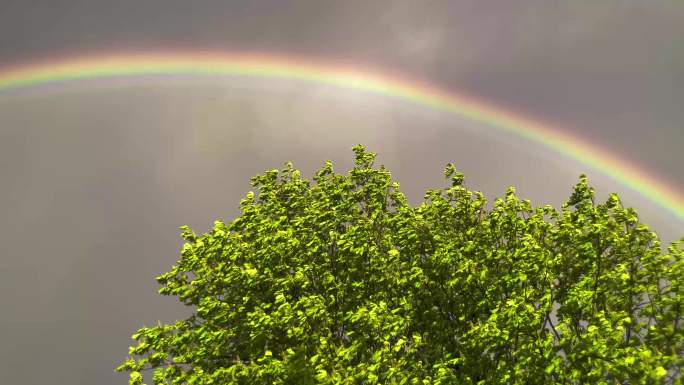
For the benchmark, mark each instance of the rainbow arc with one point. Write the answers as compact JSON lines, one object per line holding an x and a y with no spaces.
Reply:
{"x":401,"y":87}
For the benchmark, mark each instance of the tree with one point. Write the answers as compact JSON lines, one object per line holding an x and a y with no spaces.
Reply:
{"x":343,"y":282}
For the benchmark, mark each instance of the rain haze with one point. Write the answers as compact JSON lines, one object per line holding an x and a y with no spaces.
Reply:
{"x":97,"y":176}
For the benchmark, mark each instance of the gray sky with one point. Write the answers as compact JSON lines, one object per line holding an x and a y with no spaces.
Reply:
{"x":98,"y":177}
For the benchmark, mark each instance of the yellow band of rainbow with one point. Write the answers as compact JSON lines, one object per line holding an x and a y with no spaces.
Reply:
{"x":271,"y":66}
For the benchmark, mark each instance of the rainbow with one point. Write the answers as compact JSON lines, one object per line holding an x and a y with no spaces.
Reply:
{"x":354,"y":77}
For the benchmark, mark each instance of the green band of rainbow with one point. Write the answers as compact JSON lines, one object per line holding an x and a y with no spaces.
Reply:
{"x":269,"y":66}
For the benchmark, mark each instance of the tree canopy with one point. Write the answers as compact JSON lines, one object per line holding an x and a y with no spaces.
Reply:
{"x":343,"y":282}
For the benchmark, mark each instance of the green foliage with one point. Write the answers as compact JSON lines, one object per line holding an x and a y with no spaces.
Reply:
{"x":343,"y":282}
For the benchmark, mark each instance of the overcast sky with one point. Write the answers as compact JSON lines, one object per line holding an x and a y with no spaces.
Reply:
{"x":98,"y":177}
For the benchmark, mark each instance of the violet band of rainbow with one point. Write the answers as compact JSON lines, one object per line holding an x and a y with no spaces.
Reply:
{"x":271,"y":66}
